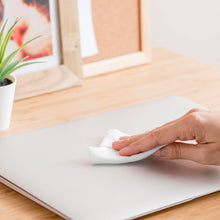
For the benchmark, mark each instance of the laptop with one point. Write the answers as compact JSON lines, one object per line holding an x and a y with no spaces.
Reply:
{"x":52,"y":167}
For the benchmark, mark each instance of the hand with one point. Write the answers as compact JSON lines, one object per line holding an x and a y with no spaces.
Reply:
{"x":199,"y":125}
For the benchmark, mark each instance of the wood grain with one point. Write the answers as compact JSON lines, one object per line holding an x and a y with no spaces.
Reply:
{"x":115,"y":64}
{"x":69,"y":32}
{"x":168,"y":74}
{"x":122,"y":31}
{"x":117,"y":28}
{"x":45,"y":81}
{"x":66,"y":75}
{"x":145,"y":28}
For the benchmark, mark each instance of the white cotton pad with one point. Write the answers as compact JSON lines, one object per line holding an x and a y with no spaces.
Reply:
{"x":105,"y":154}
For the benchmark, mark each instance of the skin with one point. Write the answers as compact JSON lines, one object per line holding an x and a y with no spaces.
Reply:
{"x":200,"y":125}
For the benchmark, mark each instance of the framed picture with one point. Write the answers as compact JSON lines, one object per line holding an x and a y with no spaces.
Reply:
{"x":122,"y":30}
{"x":56,"y":21}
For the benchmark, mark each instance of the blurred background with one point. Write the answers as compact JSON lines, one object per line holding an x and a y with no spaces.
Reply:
{"x":189,"y":27}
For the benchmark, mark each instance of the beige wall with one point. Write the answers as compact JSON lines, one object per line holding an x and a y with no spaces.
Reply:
{"x":188,"y":27}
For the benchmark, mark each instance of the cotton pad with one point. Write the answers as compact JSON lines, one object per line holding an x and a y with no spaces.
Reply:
{"x":105,"y":154}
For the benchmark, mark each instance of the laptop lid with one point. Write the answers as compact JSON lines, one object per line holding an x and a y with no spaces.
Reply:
{"x":52,"y":167}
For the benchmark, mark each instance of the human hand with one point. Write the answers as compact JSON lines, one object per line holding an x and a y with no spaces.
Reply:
{"x":199,"y":125}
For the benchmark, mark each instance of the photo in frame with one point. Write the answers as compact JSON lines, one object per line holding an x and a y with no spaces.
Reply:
{"x":37,"y":18}
{"x":58,"y":47}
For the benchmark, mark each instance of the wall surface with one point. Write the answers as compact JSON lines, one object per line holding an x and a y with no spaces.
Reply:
{"x":189,"y":27}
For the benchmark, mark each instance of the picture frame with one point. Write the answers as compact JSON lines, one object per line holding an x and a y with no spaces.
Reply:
{"x":69,"y":72}
{"x":129,"y":60}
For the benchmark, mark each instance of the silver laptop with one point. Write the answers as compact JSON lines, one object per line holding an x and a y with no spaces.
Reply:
{"x":52,"y":167}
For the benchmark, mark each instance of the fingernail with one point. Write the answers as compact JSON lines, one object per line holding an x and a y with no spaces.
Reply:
{"x":117,"y":143}
{"x":124,"y":138}
{"x":123,"y":152}
{"x":160,"y":153}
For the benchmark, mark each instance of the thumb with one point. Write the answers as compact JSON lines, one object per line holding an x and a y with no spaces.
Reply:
{"x":178,"y":150}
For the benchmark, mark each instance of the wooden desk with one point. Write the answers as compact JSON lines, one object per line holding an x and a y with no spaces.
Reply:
{"x":168,"y":74}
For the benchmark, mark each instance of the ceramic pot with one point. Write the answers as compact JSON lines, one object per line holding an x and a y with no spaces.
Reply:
{"x":7,"y":94}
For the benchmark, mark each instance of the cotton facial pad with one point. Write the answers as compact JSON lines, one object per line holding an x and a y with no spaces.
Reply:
{"x":105,"y":154}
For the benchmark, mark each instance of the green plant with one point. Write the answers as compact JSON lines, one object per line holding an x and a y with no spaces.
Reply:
{"x":6,"y":64}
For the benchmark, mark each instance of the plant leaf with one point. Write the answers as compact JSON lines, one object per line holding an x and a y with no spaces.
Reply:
{"x":6,"y":40}
{"x":13,"y":54}
{"x":2,"y":32}
{"x":18,"y":67}
{"x":23,"y":65}
{"x":6,"y":67}
{"x":4,"y":73}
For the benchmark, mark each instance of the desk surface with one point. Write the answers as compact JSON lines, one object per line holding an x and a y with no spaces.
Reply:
{"x":168,"y":74}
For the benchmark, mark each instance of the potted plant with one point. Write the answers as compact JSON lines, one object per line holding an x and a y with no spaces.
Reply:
{"x":7,"y":81}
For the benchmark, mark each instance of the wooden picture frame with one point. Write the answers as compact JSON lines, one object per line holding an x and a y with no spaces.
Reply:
{"x":66,"y":75}
{"x":138,"y":58}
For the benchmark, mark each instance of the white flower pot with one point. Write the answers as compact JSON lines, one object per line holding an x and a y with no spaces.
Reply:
{"x":7,"y":94}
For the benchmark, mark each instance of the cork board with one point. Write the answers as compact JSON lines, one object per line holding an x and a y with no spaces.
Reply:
{"x":117,"y":28}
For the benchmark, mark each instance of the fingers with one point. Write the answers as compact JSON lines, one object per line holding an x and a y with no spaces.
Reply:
{"x":196,"y":110}
{"x":194,"y":125}
{"x":184,"y":128}
{"x":160,"y":136}
{"x":179,"y":150}
{"x":207,"y":154}
{"x":125,"y":141}
{"x":124,"y":138}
